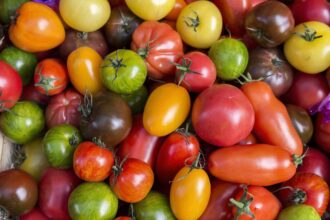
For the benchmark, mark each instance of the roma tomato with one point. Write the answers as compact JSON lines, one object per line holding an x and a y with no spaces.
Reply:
{"x":308,"y":50}
{"x":244,"y":164}
{"x":177,"y":8}
{"x":199,"y":24}
{"x":131,"y":180}
{"x":166,"y":109}
{"x":301,"y":212}
{"x":159,"y":45}
{"x":37,"y":28}
{"x":84,"y":70}
{"x":92,"y":161}
{"x":90,"y":16}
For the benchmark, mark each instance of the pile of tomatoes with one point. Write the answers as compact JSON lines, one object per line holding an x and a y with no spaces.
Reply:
{"x":165,"y":109}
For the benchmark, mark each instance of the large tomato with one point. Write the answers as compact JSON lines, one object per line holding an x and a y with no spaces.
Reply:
{"x":37,"y":28}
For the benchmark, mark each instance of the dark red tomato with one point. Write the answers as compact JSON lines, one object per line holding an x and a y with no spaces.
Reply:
{"x":264,"y":204}
{"x":54,"y":189}
{"x":311,"y":10}
{"x":140,"y":144}
{"x":256,"y":2}
{"x":195,"y":71}
{"x":92,"y":161}
{"x":178,"y":150}
{"x":322,"y":132}
{"x":307,"y":90}
{"x":222,"y":115}
{"x":63,"y":109}
{"x":305,"y":188}
{"x":132,"y":180}
{"x":218,"y":207}
{"x":251,"y":139}
{"x":30,"y":93}
{"x":34,"y":214}
{"x":11,"y":86}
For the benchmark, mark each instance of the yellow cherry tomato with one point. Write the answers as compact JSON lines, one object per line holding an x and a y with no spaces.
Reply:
{"x":200,"y":24}
{"x":190,"y":193}
{"x":166,"y":109}
{"x":86,"y":15}
{"x":150,"y":10}
{"x":84,"y":70}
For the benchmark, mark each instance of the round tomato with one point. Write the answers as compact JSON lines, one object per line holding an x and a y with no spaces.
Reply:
{"x":84,"y":70}
{"x":200,"y":24}
{"x":150,"y":9}
{"x":174,"y":13}
{"x":308,"y":50}
{"x":166,"y":109}
{"x":90,"y":16}
{"x":37,"y":28}
{"x":301,"y":212}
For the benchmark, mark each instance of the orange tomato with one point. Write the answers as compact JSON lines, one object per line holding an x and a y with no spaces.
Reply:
{"x":36,"y":28}
{"x":174,"y":13}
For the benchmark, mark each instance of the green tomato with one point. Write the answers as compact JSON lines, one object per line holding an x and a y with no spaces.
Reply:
{"x":23,"y":123}
{"x":299,"y":212}
{"x":230,"y":57}
{"x":92,"y":201}
{"x":60,"y":143}
{"x":155,"y":206}
{"x":8,"y":9}
{"x":137,"y":100}
{"x":21,"y":61}
{"x":123,"y":71}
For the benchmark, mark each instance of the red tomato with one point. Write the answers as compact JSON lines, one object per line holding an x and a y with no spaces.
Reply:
{"x":140,"y":144}
{"x":132,"y":180}
{"x":34,"y":214}
{"x":50,"y":77}
{"x":63,"y":109}
{"x":222,"y":115}
{"x":174,"y":13}
{"x":311,"y":10}
{"x":92,"y":161}
{"x":10,"y":87}
{"x":123,"y":218}
{"x":251,"y":139}
{"x":159,"y":45}
{"x":30,"y":93}
{"x":54,"y":189}
{"x":195,"y":71}
{"x":178,"y":150}
{"x":305,"y":188}
{"x":322,"y":132}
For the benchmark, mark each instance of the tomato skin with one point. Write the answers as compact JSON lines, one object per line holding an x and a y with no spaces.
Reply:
{"x":232,"y":164}
{"x":37,"y":28}
{"x":250,"y":139}
{"x":322,"y":132}
{"x":312,"y":10}
{"x":84,"y":70}
{"x":190,"y":193}
{"x":34,"y":214}
{"x":272,"y":121}
{"x":174,"y":13}
{"x":301,"y":212}
{"x":159,"y":45}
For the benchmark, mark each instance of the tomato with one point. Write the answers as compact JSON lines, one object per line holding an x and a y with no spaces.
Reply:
{"x":166,"y":109}
{"x":301,"y":212}
{"x":60,"y":143}
{"x":54,"y":190}
{"x":244,"y":164}
{"x":137,"y":100}
{"x":322,"y":132}
{"x":37,"y":28}
{"x":90,"y":16}
{"x":200,"y":24}
{"x":250,"y":139}
{"x":92,"y":161}
{"x":8,"y":9}
{"x":34,"y":214}
{"x":123,"y":218}
{"x":93,"y":201}
{"x":10,"y":87}
{"x":222,"y":115}
{"x":31,"y":94}
{"x":84,"y":70}
{"x":123,"y":71}
{"x":177,"y":8}
{"x":272,"y":121}
{"x":131,"y":180}
{"x":156,"y":9}
{"x":195,"y":71}
{"x":308,"y":50}
{"x":159,"y":45}
{"x":23,"y":123}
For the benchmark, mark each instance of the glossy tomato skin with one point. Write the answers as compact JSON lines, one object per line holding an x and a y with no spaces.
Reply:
{"x":250,"y":139}
{"x":31,"y":33}
{"x":92,"y":162}
{"x":133,"y":182}
{"x":232,"y":164}
{"x":301,"y":212}
{"x":34,"y":214}
{"x":54,"y":190}
{"x":159,"y":45}
{"x":177,"y":8}
{"x":222,"y":115}
{"x":322,"y":132}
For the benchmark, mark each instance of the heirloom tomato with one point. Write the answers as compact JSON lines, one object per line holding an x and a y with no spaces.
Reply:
{"x":137,"y":100}
{"x":8,"y":9}
{"x":174,"y":13}
{"x":322,"y":132}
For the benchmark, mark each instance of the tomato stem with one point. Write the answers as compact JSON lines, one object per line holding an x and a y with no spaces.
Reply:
{"x":116,"y":64}
{"x":298,"y":160}
{"x":74,"y":140}
{"x":309,"y":34}
{"x":86,"y":107}
{"x":183,"y":69}
{"x":131,"y":212}
{"x":99,"y":142}
{"x":18,"y":156}
{"x":243,"y":205}
{"x":193,"y":22}
{"x":47,"y":83}
{"x":82,"y":35}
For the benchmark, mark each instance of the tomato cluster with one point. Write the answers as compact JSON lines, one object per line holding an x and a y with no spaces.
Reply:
{"x":165,"y":109}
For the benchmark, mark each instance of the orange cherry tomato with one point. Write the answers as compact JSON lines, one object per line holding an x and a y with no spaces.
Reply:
{"x":174,"y":13}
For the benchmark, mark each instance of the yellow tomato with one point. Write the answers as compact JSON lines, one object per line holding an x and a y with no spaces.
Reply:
{"x":86,"y":15}
{"x":200,"y":24}
{"x":150,"y":10}
{"x":166,"y":109}
{"x":84,"y":70}
{"x":190,"y":193}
